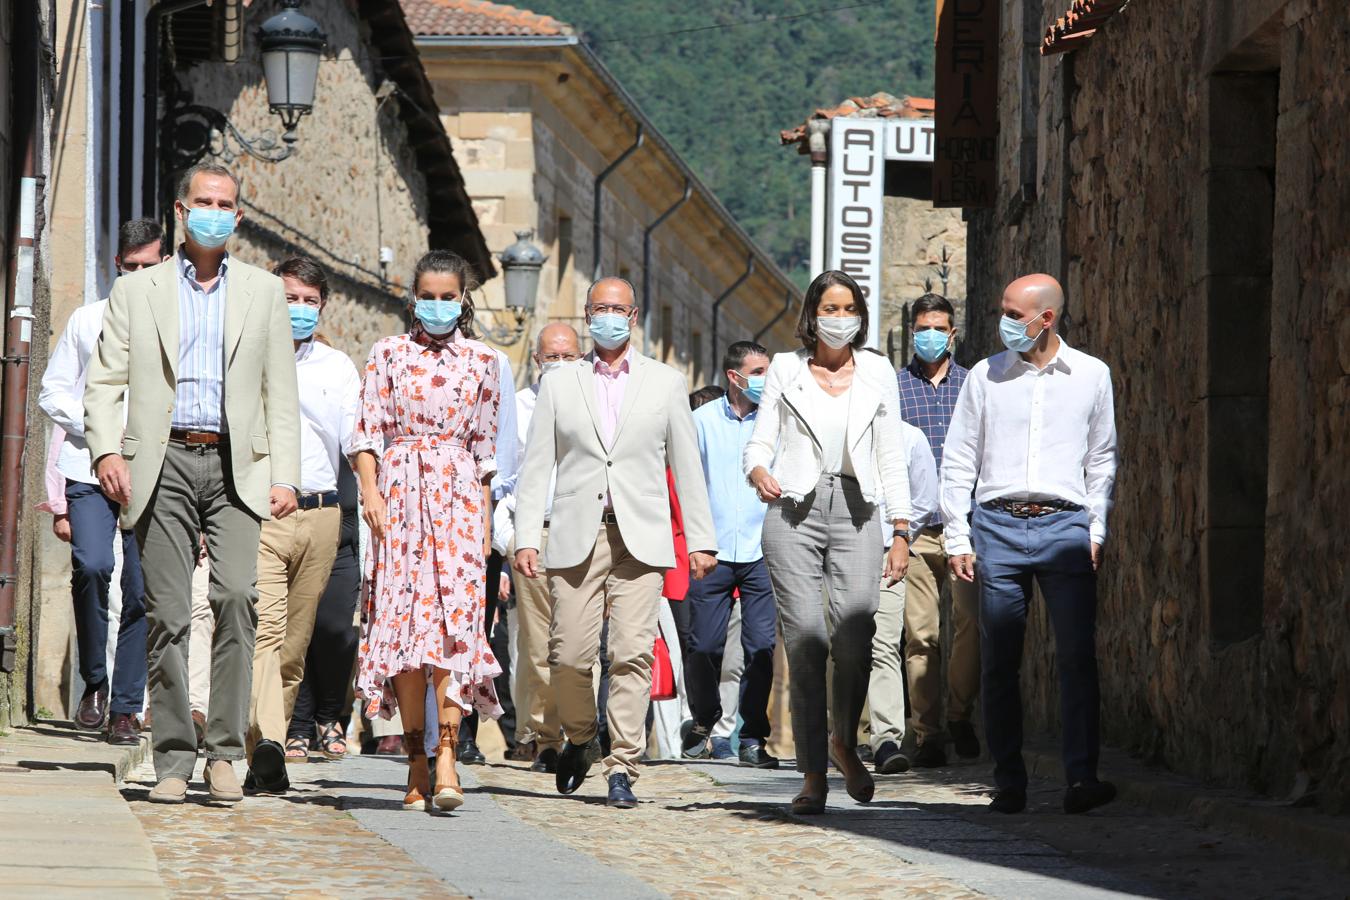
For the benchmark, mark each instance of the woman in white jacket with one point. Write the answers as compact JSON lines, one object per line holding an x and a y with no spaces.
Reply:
{"x":827,"y":455}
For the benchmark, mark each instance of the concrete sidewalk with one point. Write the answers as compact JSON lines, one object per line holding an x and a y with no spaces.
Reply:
{"x":63,"y":823}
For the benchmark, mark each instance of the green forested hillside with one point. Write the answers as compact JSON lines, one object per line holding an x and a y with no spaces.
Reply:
{"x":721,"y":94}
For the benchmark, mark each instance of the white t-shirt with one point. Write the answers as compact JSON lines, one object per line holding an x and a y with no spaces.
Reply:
{"x":832,"y":419}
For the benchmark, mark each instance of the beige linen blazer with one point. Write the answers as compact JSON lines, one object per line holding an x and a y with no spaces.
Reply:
{"x":136,"y":363}
{"x":655,"y":429}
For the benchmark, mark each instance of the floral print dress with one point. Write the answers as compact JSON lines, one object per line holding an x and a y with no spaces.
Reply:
{"x":429,"y":413}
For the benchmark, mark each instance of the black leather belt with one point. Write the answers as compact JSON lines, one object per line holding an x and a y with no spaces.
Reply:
{"x":1031,"y":509}
{"x":316,"y":501}
{"x":197,"y":438}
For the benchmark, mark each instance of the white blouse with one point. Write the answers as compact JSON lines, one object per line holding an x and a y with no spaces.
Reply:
{"x":831,"y":420}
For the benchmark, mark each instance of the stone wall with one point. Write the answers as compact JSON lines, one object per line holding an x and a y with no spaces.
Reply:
{"x":1139,"y":209}
{"x":914,"y":236}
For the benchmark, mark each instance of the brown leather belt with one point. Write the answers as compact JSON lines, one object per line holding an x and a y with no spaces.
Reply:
{"x":607,"y":518}
{"x":1032,"y":509}
{"x":197,"y":438}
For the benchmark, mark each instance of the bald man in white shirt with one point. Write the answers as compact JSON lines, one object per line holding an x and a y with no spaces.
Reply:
{"x":1034,"y":439}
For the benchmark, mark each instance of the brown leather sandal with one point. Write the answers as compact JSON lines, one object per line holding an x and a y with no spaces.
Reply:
{"x":419,"y":777}
{"x":448,"y":797}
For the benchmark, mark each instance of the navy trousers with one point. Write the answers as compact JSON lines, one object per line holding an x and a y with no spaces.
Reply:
{"x":93,"y":528}
{"x":709,"y":604}
{"x":1056,"y":551}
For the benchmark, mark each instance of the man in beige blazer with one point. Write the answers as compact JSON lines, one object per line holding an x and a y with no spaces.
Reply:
{"x":611,"y":422}
{"x":199,"y":349}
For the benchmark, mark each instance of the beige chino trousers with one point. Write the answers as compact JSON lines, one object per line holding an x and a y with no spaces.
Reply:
{"x":612,"y":580}
{"x":928,"y":572}
{"x":536,"y":701}
{"x":295,"y":558}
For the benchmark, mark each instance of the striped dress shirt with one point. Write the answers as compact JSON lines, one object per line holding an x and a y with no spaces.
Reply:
{"x":199,"y":398}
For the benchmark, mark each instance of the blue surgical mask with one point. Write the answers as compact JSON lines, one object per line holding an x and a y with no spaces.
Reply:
{"x":210,"y":228}
{"x":1014,"y":334}
{"x":610,"y":330}
{"x":754,"y":387}
{"x":930,"y":345}
{"x":304,"y":319}
{"x":438,"y":317}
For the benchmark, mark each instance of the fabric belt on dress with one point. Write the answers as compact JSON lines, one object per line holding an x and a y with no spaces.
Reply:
{"x":431,"y":441}
{"x":316,"y":500}
{"x":1031,"y":509}
{"x":197,"y":438}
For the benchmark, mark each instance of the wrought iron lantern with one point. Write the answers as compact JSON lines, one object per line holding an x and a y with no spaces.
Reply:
{"x":291,"y":43}
{"x":521,"y":264}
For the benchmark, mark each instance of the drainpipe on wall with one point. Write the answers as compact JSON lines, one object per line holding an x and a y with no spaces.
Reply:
{"x":717,"y":304}
{"x":596,"y":224}
{"x":233,"y":31}
{"x":819,"y":147}
{"x":787,"y":304}
{"x":646,"y":301}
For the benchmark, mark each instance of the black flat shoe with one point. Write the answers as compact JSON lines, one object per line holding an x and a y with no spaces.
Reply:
{"x":546,"y":761}
{"x":694,"y":745}
{"x":253,"y":786}
{"x":268,"y":767}
{"x":754,"y":755}
{"x":1009,"y":801}
{"x":469,"y":754}
{"x":620,"y":793}
{"x":890,"y":759}
{"x":574,"y":765}
{"x":1087,"y":795}
{"x":930,"y":755}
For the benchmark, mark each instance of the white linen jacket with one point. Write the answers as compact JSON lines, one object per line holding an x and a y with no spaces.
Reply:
{"x":785,"y":442}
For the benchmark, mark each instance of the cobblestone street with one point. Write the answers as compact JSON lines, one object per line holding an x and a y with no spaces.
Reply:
{"x":703,"y":830}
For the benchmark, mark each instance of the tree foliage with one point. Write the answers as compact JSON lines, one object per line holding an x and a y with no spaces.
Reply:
{"x":721,"y":78}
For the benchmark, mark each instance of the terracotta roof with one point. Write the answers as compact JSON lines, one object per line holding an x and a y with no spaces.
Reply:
{"x":1078,"y":24}
{"x":880,"y":105}
{"x":477,"y":17}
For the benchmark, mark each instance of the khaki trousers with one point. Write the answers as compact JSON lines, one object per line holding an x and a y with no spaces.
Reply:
{"x":612,"y":581}
{"x":295,"y":557}
{"x":928,"y":572}
{"x":536,"y":701}
{"x":199,"y":642}
{"x":886,"y":690}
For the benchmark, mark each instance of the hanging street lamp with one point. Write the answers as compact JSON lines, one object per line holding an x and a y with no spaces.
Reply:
{"x":291,"y":43}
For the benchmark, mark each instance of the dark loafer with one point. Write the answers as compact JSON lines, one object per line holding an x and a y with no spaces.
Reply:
{"x":1088,"y":795}
{"x":469,"y":754}
{"x":123,"y":730}
{"x":754,"y":755}
{"x":1009,"y":801}
{"x":620,"y":793}
{"x":930,"y":755}
{"x":546,"y":762}
{"x":574,"y":764}
{"x":93,"y":709}
{"x":695,"y":744}
{"x":967,"y":745}
{"x":890,"y":759}
{"x":268,"y":768}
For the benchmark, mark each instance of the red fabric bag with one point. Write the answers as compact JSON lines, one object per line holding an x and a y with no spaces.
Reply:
{"x":663,"y":673}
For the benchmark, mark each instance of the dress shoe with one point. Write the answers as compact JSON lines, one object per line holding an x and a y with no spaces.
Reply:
{"x":1009,"y":801}
{"x":930,"y":754}
{"x":546,"y":762}
{"x":695,"y":744}
{"x":169,"y":790}
{"x":469,"y":754}
{"x":967,"y":745}
{"x":889,"y":759}
{"x":93,"y":709}
{"x":620,"y":793}
{"x":597,"y":750}
{"x":268,"y":768}
{"x":574,"y":764}
{"x":124,"y":730}
{"x":199,"y":726}
{"x":1087,"y":795}
{"x":221,"y":782}
{"x":755,"y":756}
{"x":252,"y":785}
{"x":721,"y":748}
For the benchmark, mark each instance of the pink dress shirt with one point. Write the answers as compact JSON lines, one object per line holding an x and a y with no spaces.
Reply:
{"x":53,"y":480}
{"x":609,"y":388}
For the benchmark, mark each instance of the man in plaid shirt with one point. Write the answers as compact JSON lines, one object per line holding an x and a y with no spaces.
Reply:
{"x":929,"y":386}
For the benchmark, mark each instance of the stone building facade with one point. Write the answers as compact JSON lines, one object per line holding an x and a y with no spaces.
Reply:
{"x":536,"y":119}
{"x":1192,"y":194}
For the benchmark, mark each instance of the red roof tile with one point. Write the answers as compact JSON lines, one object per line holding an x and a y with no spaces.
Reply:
{"x":477,"y":17}
{"x":1077,"y":26}
{"x":879,"y":105}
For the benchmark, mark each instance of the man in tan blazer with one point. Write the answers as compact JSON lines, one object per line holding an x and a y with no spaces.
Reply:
{"x":199,"y":349}
{"x":611,"y":422}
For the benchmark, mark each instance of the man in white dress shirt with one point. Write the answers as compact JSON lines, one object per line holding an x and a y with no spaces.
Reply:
{"x":1034,"y":438}
{"x":295,"y":554}
{"x":93,"y":516}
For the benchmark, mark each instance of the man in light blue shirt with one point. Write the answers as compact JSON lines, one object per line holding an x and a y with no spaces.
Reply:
{"x":724,"y":428}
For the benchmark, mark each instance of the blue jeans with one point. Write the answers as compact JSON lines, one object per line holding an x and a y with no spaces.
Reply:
{"x":93,"y":527}
{"x":1056,"y":550}
{"x":709,"y":603}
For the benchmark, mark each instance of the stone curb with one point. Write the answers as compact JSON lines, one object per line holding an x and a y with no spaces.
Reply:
{"x":1299,"y":830}
{"x":50,"y":745}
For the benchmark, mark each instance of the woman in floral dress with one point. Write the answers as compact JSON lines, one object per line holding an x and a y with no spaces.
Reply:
{"x":423,"y":452}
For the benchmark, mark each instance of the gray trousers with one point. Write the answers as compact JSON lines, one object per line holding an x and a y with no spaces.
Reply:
{"x":823,"y":556}
{"x":195,"y":495}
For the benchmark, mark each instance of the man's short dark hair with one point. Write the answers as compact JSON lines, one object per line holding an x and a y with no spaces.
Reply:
{"x":306,"y":271}
{"x":185,"y":183}
{"x":706,"y":394}
{"x":137,"y":233}
{"x":737,"y":352}
{"x":929,"y":303}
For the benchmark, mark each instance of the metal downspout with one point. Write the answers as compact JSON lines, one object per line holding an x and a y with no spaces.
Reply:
{"x":646,"y":299}
{"x":596,"y":224}
{"x":787,"y":304}
{"x":717,"y":304}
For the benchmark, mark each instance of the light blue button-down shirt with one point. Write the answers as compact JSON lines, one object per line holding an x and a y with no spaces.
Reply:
{"x":737,"y":511}
{"x":199,"y":397}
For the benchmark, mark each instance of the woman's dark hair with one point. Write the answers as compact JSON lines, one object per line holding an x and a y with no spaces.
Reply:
{"x":705,"y":394}
{"x":306,"y":271}
{"x":806,"y":325}
{"x":447,"y":262}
